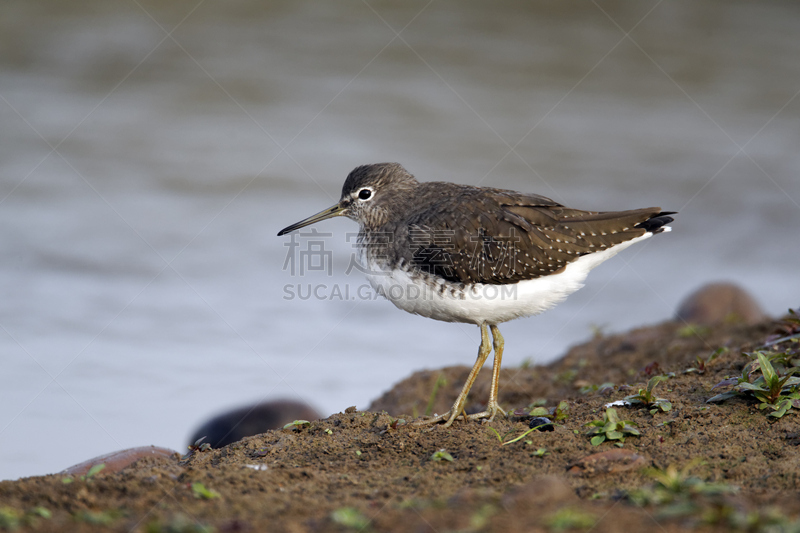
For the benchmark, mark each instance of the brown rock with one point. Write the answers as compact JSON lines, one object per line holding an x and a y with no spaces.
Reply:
{"x":720,"y":302}
{"x":119,"y":460}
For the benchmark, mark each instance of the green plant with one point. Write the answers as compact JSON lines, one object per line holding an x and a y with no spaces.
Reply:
{"x":201,"y":492}
{"x":691,"y":330}
{"x":93,"y":471}
{"x":776,"y":387}
{"x":610,"y":428}
{"x":587,"y":389}
{"x":98,"y":518}
{"x":674,"y":484}
{"x":9,"y":518}
{"x":648,"y":398}
{"x":502,"y":438}
{"x":350,"y":517}
{"x":197,"y":447}
{"x":480,"y":518}
{"x":297,"y":425}
{"x":561,"y":412}
{"x":441,"y":455}
{"x":541,"y":452}
{"x":537,"y":408}
{"x":570,"y":518}
{"x":700,"y":363}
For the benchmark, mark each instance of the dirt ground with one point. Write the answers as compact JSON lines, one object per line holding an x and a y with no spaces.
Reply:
{"x":723,"y":466}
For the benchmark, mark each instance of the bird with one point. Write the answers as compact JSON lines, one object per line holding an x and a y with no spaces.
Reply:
{"x":476,"y":255}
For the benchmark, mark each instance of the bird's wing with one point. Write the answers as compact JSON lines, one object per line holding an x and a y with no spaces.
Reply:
{"x":499,"y":237}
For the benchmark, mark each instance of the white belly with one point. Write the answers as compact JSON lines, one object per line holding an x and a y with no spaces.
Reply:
{"x":483,"y":303}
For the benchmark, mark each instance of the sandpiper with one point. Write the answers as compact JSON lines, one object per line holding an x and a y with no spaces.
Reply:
{"x":476,"y":255}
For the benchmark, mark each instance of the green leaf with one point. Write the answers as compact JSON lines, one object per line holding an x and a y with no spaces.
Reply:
{"x":351,"y":518}
{"x":722,"y":397}
{"x":96,"y":469}
{"x":441,"y":455}
{"x":751,"y":387}
{"x":43,"y":512}
{"x":201,"y":492}
{"x":766,"y":368}
{"x":614,"y":435}
{"x":297,"y":424}
{"x":596,"y":441}
{"x":562,"y":410}
{"x":655,"y":380}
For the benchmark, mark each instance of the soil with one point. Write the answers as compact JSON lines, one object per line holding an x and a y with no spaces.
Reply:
{"x":724,"y":466}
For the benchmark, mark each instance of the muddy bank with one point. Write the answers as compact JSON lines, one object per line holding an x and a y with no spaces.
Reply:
{"x":697,"y":465}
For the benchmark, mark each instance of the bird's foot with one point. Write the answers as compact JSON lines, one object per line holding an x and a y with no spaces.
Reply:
{"x":491,"y":411}
{"x":448,"y":418}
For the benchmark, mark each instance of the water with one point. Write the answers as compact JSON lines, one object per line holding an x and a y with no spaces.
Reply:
{"x":143,"y":284}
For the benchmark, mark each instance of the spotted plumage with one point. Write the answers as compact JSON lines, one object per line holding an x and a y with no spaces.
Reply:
{"x":445,"y":251}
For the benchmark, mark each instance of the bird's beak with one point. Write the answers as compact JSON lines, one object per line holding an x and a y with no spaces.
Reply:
{"x":335,"y":211}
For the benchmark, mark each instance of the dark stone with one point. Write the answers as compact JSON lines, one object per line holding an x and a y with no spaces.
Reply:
{"x":545,"y":423}
{"x":251,"y":420}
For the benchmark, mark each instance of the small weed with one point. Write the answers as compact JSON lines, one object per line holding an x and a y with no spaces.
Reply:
{"x":788,"y":329}
{"x":541,"y":452}
{"x":441,"y":455}
{"x":9,"y":518}
{"x":537,"y":409}
{"x":588,"y":389}
{"x":98,"y":518}
{"x":41,"y":512}
{"x":201,"y":492}
{"x":93,"y":471}
{"x":648,"y":399}
{"x":692,"y":330}
{"x":297,"y":425}
{"x":329,"y":431}
{"x":441,"y":381}
{"x":570,"y":518}
{"x":197,"y":447}
{"x":611,"y":428}
{"x":676,"y":485}
{"x":358,"y":453}
{"x":350,"y":517}
{"x":700,"y":363}
{"x":567,"y":376}
{"x":776,"y":387}
{"x":96,"y":469}
{"x":480,"y":518}
{"x":561,"y":412}
{"x":502,"y":438}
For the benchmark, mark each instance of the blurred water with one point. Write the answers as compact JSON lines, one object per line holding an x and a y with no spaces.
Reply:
{"x":149,"y":153}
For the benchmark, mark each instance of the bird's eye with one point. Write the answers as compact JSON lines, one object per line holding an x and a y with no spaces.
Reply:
{"x":364,"y":194}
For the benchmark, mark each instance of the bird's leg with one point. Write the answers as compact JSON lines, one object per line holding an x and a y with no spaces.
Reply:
{"x":492,"y":408}
{"x":458,"y":406}
{"x":499,"y":343}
